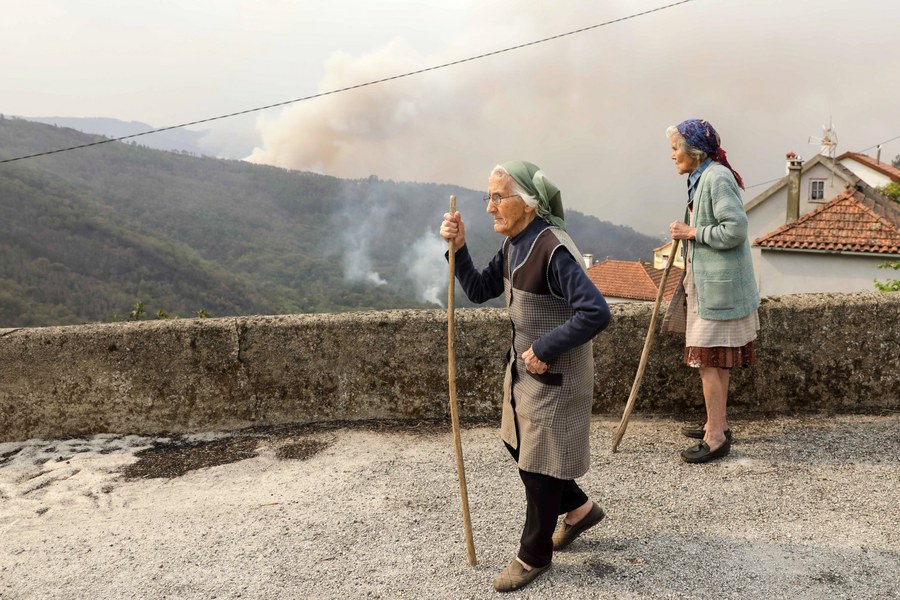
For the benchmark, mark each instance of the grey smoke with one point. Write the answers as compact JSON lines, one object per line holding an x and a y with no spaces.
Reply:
{"x":358,"y":264}
{"x":592,"y":109}
{"x":427,"y":268}
{"x":359,"y":222}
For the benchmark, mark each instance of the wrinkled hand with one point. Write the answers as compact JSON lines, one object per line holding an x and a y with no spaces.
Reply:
{"x":682,"y":231}
{"x":533,"y":363}
{"x":454,"y":229}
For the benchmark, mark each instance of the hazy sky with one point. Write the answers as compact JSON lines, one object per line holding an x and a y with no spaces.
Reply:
{"x":590,"y":109}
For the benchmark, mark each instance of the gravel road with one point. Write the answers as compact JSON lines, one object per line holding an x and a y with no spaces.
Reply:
{"x":804,"y":507}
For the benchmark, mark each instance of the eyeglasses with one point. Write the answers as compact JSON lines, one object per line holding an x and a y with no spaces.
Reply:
{"x":496,"y":199}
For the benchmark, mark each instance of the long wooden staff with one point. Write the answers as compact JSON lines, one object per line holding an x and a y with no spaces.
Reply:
{"x":648,"y":342}
{"x":454,"y":412}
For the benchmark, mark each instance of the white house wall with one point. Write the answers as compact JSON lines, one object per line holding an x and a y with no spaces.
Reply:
{"x":617,"y":300}
{"x":763,"y":219}
{"x":768,"y":216}
{"x":834,"y":186}
{"x":866,"y":173}
{"x":781,"y":272}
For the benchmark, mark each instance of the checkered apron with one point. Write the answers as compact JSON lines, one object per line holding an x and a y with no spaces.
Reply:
{"x":547,"y":416}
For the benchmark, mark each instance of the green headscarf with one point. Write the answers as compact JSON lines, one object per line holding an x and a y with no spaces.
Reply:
{"x":533,"y":180}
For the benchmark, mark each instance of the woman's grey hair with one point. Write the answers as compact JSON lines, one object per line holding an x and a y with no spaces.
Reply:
{"x":517,"y":190}
{"x":699,"y":155}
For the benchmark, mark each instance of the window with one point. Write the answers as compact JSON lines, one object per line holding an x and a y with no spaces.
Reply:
{"x":816,"y":190}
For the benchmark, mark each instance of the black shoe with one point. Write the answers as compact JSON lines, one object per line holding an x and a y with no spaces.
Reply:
{"x":701,"y":452}
{"x":698,"y":432}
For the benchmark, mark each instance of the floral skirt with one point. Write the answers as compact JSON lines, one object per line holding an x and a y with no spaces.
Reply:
{"x":720,"y":356}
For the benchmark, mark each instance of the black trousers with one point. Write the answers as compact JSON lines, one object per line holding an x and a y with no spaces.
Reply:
{"x":546,"y":498}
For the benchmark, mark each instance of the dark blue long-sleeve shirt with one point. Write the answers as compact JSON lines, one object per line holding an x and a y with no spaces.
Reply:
{"x":567,"y":279}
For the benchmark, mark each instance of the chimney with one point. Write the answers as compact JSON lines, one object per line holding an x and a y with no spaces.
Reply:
{"x":588,"y":260}
{"x":878,"y":154}
{"x":794,"y":164}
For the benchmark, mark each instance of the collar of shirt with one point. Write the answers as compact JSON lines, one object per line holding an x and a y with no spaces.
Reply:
{"x":530,"y":232}
{"x":520,"y":243}
{"x":694,"y":177}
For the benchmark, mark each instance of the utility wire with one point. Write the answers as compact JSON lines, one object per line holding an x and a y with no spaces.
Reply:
{"x":763,"y":183}
{"x":880,"y":144}
{"x":858,"y":152}
{"x":353,"y":87}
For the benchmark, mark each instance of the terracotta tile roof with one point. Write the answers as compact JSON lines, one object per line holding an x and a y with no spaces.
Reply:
{"x":634,"y":280}
{"x":885,"y":169}
{"x":858,"y":220}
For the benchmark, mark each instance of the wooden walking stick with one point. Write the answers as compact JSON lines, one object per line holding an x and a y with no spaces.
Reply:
{"x":454,"y":412}
{"x":648,"y":342}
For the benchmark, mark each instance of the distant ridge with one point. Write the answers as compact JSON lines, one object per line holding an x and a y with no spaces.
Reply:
{"x":177,"y":140}
{"x":89,"y":233}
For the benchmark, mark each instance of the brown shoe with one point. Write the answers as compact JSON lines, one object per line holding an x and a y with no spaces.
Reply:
{"x":566,"y":534}
{"x":515,"y":577}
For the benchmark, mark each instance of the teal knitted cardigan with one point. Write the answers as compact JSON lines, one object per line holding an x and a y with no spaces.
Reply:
{"x":720,"y":254}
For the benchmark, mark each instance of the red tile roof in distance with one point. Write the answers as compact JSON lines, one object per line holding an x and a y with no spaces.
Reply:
{"x":885,"y":169}
{"x":853,"y":222}
{"x":634,"y":280}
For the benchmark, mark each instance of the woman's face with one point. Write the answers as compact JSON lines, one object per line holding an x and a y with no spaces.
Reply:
{"x":512,"y":215}
{"x":684,"y":162}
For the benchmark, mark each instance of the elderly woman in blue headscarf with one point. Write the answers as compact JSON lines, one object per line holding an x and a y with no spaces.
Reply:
{"x":717,"y":300}
{"x":555,"y":311}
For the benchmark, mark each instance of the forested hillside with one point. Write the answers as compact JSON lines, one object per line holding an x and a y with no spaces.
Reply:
{"x":87,"y":234}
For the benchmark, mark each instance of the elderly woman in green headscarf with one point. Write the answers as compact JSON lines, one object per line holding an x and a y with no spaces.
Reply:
{"x":555,"y":311}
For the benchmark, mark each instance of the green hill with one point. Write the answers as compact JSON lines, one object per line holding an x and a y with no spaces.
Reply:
{"x":88,"y":233}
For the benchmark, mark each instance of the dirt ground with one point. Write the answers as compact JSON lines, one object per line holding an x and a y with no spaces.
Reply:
{"x":173,"y":457}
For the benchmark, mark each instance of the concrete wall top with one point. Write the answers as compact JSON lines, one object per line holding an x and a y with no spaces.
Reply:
{"x":835,"y":352}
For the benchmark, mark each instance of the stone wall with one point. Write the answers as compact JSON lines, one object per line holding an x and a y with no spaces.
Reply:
{"x":823,"y":352}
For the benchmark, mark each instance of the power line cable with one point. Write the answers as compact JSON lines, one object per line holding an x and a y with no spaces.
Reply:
{"x":858,"y":151}
{"x":763,"y":183}
{"x":357,"y":86}
{"x":881,"y":144}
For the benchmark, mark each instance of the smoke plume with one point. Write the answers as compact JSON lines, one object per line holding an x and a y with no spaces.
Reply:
{"x":427,"y":268}
{"x":592,"y":109}
{"x":359,"y":222}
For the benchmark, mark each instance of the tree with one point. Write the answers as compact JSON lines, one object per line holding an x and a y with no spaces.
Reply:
{"x":137,"y":313}
{"x":891,"y":190}
{"x":890,"y":285}
{"x":87,"y":236}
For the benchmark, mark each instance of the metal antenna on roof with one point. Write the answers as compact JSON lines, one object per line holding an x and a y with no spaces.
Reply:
{"x":828,"y":144}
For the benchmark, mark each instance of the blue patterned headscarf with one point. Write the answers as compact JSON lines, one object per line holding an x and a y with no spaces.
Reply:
{"x":700,"y":134}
